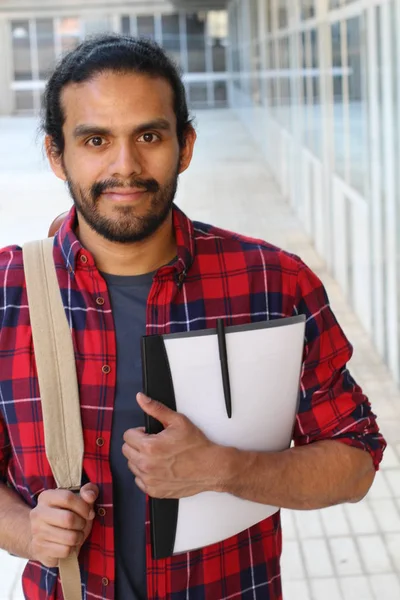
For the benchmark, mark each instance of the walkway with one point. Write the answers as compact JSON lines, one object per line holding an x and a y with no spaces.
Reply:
{"x":349,"y":552}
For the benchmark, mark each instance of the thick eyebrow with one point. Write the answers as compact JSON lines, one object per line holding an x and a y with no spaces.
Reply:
{"x":85,"y":130}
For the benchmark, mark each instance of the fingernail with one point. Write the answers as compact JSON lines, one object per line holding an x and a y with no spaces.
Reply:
{"x":91,"y":493}
{"x":143,"y":398}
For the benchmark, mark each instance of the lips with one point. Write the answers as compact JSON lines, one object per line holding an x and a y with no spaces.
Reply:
{"x":125,"y":191}
{"x":125,"y":194}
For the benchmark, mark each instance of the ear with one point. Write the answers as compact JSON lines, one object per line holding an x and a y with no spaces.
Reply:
{"x":55,"y":158}
{"x":187,"y":149}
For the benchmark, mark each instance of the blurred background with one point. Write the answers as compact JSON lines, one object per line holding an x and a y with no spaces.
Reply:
{"x":297,"y":104}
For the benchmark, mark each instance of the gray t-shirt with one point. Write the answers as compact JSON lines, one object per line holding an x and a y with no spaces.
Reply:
{"x":128,"y":299}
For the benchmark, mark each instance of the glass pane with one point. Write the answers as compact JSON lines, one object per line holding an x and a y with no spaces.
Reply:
{"x":283,"y":16}
{"x":220,"y":94}
{"x":285,"y":84}
{"x":269,"y":16}
{"x":45,"y":45}
{"x":219,"y":55}
{"x":217,"y":23}
{"x":69,"y":30}
{"x":195,"y":30}
{"x":334,"y":4}
{"x":126,"y":25}
{"x":97,"y":25}
{"x":272,"y":76}
{"x":23,"y":100}
{"x":338,"y":99}
{"x":304,"y":86}
{"x":316,"y":124}
{"x":307,"y":9}
{"x":21,"y":44}
{"x":170,"y":36}
{"x":253,"y":8}
{"x":145,"y":26}
{"x":198,"y":94}
{"x":357,"y":105}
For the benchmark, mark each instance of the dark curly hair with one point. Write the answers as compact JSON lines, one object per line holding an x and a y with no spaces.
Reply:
{"x":117,"y":53}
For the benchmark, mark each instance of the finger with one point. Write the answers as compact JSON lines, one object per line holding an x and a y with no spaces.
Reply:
{"x":65,"y":499}
{"x":135,"y":470}
{"x":131,"y":454}
{"x":89,"y":493}
{"x":64,"y":537}
{"x":55,"y":551}
{"x":140,"y":484}
{"x":156,"y":409}
{"x":134,"y":437}
{"x":58,"y":517}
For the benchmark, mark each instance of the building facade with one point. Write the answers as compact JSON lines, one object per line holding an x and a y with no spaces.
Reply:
{"x":35,"y":33}
{"x":317,"y":82}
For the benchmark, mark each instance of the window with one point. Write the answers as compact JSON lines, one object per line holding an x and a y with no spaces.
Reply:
{"x":126,"y":25}
{"x":145,"y":26}
{"x":198,"y":95}
{"x":24,"y":101}
{"x":217,"y":25}
{"x":196,"y":44}
{"x":283,"y":15}
{"x":269,"y":17}
{"x":220,"y":94}
{"x":284,"y":82}
{"x":338,"y":109}
{"x":253,"y":10}
{"x":45,"y":46}
{"x":21,"y":43}
{"x":357,"y":106}
{"x":170,"y":36}
{"x":96,"y":25}
{"x":69,"y":31}
{"x":307,"y":10}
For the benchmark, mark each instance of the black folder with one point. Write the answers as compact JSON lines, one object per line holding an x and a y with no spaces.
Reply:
{"x":157,"y":384}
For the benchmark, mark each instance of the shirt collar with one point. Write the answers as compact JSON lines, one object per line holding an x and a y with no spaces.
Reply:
{"x":72,"y":250}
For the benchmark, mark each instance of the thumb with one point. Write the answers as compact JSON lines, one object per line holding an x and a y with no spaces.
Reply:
{"x":156,"y":409}
{"x":89,"y":493}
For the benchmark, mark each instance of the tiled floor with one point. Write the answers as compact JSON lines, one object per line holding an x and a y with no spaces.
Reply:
{"x":349,"y":552}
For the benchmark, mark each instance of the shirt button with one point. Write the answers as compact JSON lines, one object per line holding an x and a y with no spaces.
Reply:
{"x":101,"y":512}
{"x":100,"y":442}
{"x":100,"y":301}
{"x":84,"y":259}
{"x":106,"y":369}
{"x":105,"y":581}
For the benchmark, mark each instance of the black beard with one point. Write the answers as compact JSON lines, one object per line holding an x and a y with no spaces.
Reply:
{"x":128,"y":228}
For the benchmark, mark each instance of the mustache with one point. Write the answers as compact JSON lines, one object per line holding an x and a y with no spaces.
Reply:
{"x":98,"y":188}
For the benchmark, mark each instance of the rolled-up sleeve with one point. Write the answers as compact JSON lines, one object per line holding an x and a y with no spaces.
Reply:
{"x":332,"y":405}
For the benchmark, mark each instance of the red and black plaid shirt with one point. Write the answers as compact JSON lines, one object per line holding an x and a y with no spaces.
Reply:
{"x":217,"y":274}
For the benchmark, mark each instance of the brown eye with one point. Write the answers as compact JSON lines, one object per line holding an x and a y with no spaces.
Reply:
{"x":96,"y":141}
{"x":149,"y":138}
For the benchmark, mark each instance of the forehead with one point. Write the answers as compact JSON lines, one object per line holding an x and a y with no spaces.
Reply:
{"x":115,"y":99}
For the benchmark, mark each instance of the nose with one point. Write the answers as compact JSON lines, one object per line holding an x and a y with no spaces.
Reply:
{"x":126,"y":161}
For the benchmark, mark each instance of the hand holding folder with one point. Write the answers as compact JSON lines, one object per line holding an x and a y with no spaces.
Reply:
{"x":253,"y":408}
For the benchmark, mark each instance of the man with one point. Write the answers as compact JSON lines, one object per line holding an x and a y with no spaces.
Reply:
{"x":129,"y":263}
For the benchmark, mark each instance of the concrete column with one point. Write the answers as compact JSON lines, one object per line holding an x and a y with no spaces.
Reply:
{"x":6,"y":95}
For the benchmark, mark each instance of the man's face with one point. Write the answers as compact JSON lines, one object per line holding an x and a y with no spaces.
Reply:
{"x":121,"y":155}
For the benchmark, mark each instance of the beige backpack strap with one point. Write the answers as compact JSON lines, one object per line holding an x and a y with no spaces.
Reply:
{"x":55,"y":361}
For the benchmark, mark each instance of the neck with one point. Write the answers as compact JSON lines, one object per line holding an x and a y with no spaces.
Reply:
{"x":136,"y":258}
